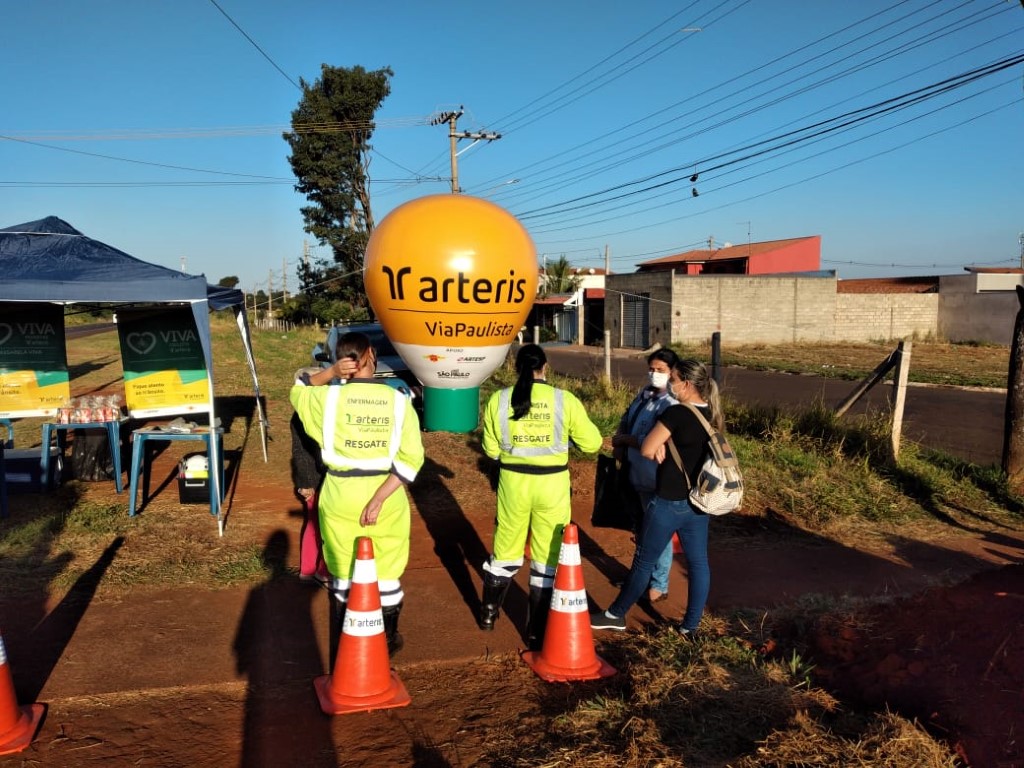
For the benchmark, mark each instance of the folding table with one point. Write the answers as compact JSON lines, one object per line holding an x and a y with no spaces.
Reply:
{"x":140,"y":439}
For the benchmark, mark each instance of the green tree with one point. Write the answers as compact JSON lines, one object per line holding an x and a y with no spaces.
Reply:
{"x":330,"y":156}
{"x":261,"y":301}
{"x":229,"y":282}
{"x":560,"y":277}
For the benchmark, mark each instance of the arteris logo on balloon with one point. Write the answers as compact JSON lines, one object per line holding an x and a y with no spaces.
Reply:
{"x":459,"y":288}
{"x":451,"y":271}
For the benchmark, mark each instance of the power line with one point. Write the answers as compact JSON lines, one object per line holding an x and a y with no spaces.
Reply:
{"x":529,"y":190}
{"x":614,"y":73}
{"x":255,"y":45}
{"x":158,"y":134}
{"x":142,"y":162}
{"x":688,"y":103}
{"x":677,"y":219}
{"x":779,"y":142}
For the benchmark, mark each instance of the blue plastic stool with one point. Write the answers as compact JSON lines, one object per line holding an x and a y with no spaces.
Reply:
{"x":113,"y":435}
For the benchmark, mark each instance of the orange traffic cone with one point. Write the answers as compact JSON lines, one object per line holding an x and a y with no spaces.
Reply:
{"x":362,"y":679}
{"x":18,"y":725}
{"x":568,"y":650}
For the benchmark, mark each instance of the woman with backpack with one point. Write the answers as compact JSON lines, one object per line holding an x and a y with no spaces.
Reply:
{"x":670,"y":511}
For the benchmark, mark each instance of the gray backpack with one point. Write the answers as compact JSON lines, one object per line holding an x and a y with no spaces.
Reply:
{"x":719,"y":486}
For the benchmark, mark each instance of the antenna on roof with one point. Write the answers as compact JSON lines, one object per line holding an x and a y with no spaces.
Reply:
{"x":748,"y":234}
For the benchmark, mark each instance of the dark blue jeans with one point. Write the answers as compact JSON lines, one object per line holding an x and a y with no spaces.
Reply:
{"x":664,"y":518}
{"x":663,"y":568}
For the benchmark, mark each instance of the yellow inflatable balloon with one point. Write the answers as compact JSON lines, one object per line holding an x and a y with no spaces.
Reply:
{"x":451,"y":278}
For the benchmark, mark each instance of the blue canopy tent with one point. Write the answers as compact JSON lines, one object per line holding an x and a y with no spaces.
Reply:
{"x":50,"y":261}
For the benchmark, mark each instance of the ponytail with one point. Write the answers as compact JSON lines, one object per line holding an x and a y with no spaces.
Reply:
{"x":529,"y":359}
{"x":697,"y":374}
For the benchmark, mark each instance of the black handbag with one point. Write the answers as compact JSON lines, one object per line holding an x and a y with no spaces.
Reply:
{"x":616,"y":503}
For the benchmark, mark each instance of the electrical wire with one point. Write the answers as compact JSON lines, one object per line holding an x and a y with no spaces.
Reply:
{"x":781,"y":141}
{"x":529,"y":190}
{"x":144,"y":162}
{"x":255,"y":45}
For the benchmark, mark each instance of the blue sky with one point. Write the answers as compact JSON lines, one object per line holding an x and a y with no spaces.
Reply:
{"x":156,"y":127}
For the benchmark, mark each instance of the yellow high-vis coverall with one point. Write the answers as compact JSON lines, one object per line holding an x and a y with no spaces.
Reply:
{"x":533,"y":484}
{"x":366,"y":430}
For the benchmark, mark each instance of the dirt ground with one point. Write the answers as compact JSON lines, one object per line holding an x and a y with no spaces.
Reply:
{"x":189,"y":677}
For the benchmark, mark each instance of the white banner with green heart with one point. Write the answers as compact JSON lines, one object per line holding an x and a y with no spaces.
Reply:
{"x":164,"y":368}
{"x":33,"y":360}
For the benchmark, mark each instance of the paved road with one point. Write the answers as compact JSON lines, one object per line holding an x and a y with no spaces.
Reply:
{"x":966,"y":423}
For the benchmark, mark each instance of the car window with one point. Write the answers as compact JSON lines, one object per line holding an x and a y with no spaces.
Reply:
{"x":381,"y":343}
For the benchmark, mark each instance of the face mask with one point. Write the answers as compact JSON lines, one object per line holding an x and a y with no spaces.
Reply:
{"x":657,"y":379}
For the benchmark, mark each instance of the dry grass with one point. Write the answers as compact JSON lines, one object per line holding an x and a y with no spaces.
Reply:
{"x":717,"y":702}
{"x":930,"y":362}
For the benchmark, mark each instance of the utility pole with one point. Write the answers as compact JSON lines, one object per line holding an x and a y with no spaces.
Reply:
{"x":454,"y":135}
{"x":182,"y":263}
{"x":270,"y":292}
{"x":284,"y":279}
{"x":607,"y":260}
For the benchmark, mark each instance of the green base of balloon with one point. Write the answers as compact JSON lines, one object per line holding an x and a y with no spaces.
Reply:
{"x":451,"y":410}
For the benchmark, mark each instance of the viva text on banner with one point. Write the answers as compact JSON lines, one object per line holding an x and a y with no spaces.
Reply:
{"x":164,"y":369}
{"x":33,"y":359}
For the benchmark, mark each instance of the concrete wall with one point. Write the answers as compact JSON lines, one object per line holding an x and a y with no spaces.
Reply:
{"x":978,"y":307}
{"x":753,"y":309}
{"x":885,"y":316}
{"x":767,"y":309}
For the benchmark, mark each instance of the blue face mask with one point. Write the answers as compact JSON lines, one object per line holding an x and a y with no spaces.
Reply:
{"x":657,"y":379}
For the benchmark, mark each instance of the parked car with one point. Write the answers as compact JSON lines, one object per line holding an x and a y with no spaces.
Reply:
{"x":390,"y":364}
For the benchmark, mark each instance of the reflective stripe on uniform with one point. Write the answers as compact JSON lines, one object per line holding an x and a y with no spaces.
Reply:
{"x":503,"y":569}
{"x":542,"y":575}
{"x":391,"y":592}
{"x":560,"y":443}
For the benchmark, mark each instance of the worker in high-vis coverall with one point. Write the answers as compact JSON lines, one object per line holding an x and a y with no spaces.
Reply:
{"x":528,"y":427}
{"x":369,"y":438}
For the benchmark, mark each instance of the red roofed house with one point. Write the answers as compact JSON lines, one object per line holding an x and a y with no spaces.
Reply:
{"x":798,"y":254}
{"x":671,"y":299}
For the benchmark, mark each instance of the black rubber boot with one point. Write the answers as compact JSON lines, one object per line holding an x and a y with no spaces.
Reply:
{"x":495,"y":589}
{"x":337,"y":619}
{"x":537,"y":619}
{"x":395,"y":640}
